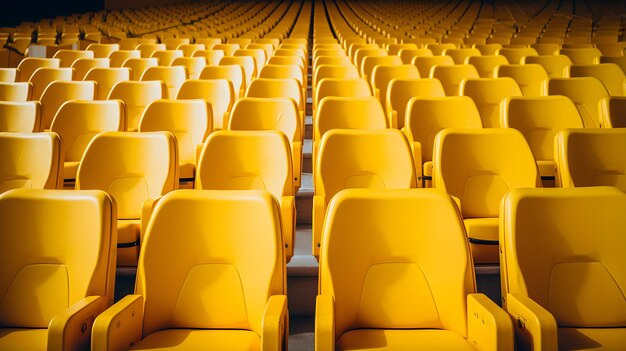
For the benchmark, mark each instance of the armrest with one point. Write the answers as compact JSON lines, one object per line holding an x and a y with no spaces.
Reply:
{"x":416,"y":148}
{"x":146,"y":212}
{"x":120,"y":326}
{"x":71,"y":329}
{"x":393,"y":119}
{"x":296,"y":151}
{"x":288,"y":214}
{"x":275,"y":323}
{"x":199,"y":148}
{"x":488,"y":326}
{"x":534,"y":325}
{"x":377,"y":93}
{"x":319,"y":210}
{"x":225,"y":121}
{"x":324,"y":323}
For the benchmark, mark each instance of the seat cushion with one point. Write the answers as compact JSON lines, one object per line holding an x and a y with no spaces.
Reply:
{"x":128,"y":232}
{"x":186,"y":170}
{"x":483,"y":229}
{"x":70,"y":168}
{"x":592,"y":338}
{"x":23,"y":339}
{"x":194,"y":339}
{"x":402,"y":339}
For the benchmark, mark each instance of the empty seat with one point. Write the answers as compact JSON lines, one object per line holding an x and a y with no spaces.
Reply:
{"x":487,"y":94}
{"x":212,"y":57}
{"x":407,"y":55}
{"x":20,"y":117}
{"x":333,"y":71}
{"x":247,"y":62}
{"x":609,"y":74}
{"x":517,"y":55}
{"x":557,"y":66}
{"x":67,"y":57}
{"x":28,"y":66}
{"x":613,"y":112}
{"x":102,"y":50}
{"x":16,"y":92}
{"x":83,"y":65}
{"x":194,"y":65}
{"x":225,"y":277}
{"x":58,"y":92}
{"x":46,"y":75}
{"x":377,"y":159}
{"x":31,"y":161}
{"x":338,"y":112}
{"x":136,"y":96}
{"x":173,"y":77}
{"x":382,"y":75}
{"x":382,"y":279}
{"x":118,"y":58}
{"x":400,"y":91}
{"x":258,"y":56}
{"x":460,"y":56}
{"x":279,"y":88}
{"x":284,"y":71}
{"x":351,"y":87}
{"x":478,"y":167}
{"x":565,"y":293}
{"x":371,"y":62}
{"x":106,"y":78}
{"x":147,"y":49}
{"x":451,"y":76}
{"x":189,"y":49}
{"x":233,"y":73}
{"x":582,"y":56}
{"x":139,"y":65}
{"x":134,"y":168}
{"x":166,"y":57}
{"x":425,"y":63}
{"x":485,"y":65}
{"x":591,"y":157}
{"x":54,"y":286}
{"x":585,"y":92}
{"x":529,"y":77}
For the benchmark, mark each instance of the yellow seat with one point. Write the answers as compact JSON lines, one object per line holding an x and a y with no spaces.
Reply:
{"x":83,"y":65}
{"x":590,"y":157}
{"x":233,"y":73}
{"x":539,"y":119}
{"x":16,"y":92}
{"x":218,"y":92}
{"x":332,"y":60}
{"x":485,"y":65}
{"x":31,"y":161}
{"x":28,"y":66}
{"x":451,"y":76}
{"x":267,"y":48}
{"x":279,"y":88}
{"x":189,"y":49}
{"x":246,"y":62}
{"x":194,"y":65}
{"x":58,"y":92}
{"x":53,"y":286}
{"x":8,"y":75}
{"x":382,"y":75}
{"x":208,"y":42}
{"x":371,"y":62}
{"x":166,"y":57}
{"x":612,"y":112}
{"x":67,"y":57}
{"x":228,"y":49}
{"x":611,"y":75}
{"x":351,"y":87}
{"x":284,"y":71}
{"x":488,"y":49}
{"x":478,"y":167}
{"x":517,"y":55}
{"x":460,"y":56}
{"x":557,"y":66}
{"x":338,"y":112}
{"x":487,"y":94}
{"x":147,"y":49}
{"x":333,"y":71}
{"x":77,"y":123}
{"x":120,"y":56}
{"x":425,"y":63}
{"x":529,"y":77}
{"x":20,"y":117}
{"x":377,"y":159}
{"x":400,"y":91}
{"x":172,"y":76}
{"x":136,"y":96}
{"x":139,"y":65}
{"x":190,"y":121}
{"x":225,"y":278}
{"x":102,"y":50}
{"x":425,"y":117}
{"x":407,"y":55}
{"x":258,"y":56}
{"x":547,"y":48}
{"x":582,"y":56}
{"x":567,"y":292}
{"x":174,"y":43}
{"x":252,"y":160}
{"x":382,"y":283}
{"x":46,"y":75}
{"x":286,"y":60}
{"x":618,"y":60}
{"x":394,"y":49}
{"x":212,"y":57}
{"x":135,"y":169}
{"x":585,"y":92}
{"x":107,"y":78}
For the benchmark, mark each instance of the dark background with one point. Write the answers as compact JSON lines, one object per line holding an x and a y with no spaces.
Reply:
{"x":12,"y":12}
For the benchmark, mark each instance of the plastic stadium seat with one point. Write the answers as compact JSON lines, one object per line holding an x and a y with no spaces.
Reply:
{"x":286,"y":60}
{"x":351,"y":87}
{"x":106,"y":78}
{"x":358,"y":159}
{"x":58,"y":92}
{"x":400,"y":91}
{"x":67,"y":57}
{"x":46,"y":75}
{"x":485,"y":65}
{"x":77,"y":123}
{"x":332,"y":60}
{"x":174,"y":43}
{"x":516,"y":55}
{"x":53,"y":286}
{"x":83,"y":65}
{"x":487,"y":94}
{"x":226,"y":282}
{"x":547,"y":48}
{"x":247,"y":62}
{"x":557,"y":66}
{"x":190,"y":121}
{"x":252,"y":160}
{"x":539,"y":119}
{"x":8,"y":75}
{"x":382,"y":283}
{"x":267,"y":48}
{"x":120,"y":56}
{"x":284,"y":71}
{"x":425,"y":63}
{"x":278,"y":88}
{"x":208,"y":42}
{"x":370,"y":62}
{"x":426,"y":116}
{"x":212,"y":57}
{"x":166,"y":57}
{"x":194,"y":65}
{"x":407,"y":55}
{"x":147,"y":49}
{"x":613,"y":112}
{"x":333,"y":71}
{"x":566,"y":293}
{"x":16,"y":92}
{"x":258,"y":56}
{"x":618,"y":60}
{"x":478,"y":167}
{"x":29,"y":65}
{"x":590,"y":157}
{"x":529,"y":77}
{"x":585,"y":92}
{"x":488,"y":49}
{"x":102,"y":50}
{"x":582,"y":56}
{"x":31,"y":161}
{"x":439,"y":48}
{"x":189,"y":49}
{"x":228,"y":49}
{"x":20,"y":117}
{"x":382,"y":75}
{"x":139,"y":65}
{"x":233,"y":73}
{"x":218,"y":92}
{"x":135,"y":169}
{"x":136,"y":96}
{"x":611,"y":75}
{"x":460,"y":56}
{"x":451,"y":76}
{"x":173,"y":76}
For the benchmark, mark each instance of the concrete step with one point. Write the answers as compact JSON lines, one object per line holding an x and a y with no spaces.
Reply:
{"x":307,"y":156}
{"x":304,"y":200}
{"x":302,"y":272}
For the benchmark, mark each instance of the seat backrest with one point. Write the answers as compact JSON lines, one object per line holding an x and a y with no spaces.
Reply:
{"x":381,"y":261}
{"x":485,"y":65}
{"x":30,"y":160}
{"x":197,"y":242}
{"x":166,"y":57}
{"x":350,"y":87}
{"x":557,"y":66}
{"x":479,"y":166}
{"x":131,"y":167}
{"x":459,"y":56}
{"x":427,"y":116}
{"x":194,"y":65}
{"x":539,"y":119}
{"x":189,"y":49}
{"x":28,"y":66}
{"x":610,"y":74}
{"x":407,"y":55}
{"x":451,"y":76}
{"x":190,"y":121}
{"x":147,"y":49}
{"x":247,"y":62}
{"x":488,"y":49}
{"x":285,"y":60}
{"x":338,"y":112}
{"x":139,"y":65}
{"x":43,"y":274}
{"x":439,"y":48}
{"x":400,"y":91}
{"x":613,"y":112}
{"x":106,"y":78}
{"x":425,"y":63}
{"x":218,"y":92}
{"x":582,"y":56}
{"x":370,"y":62}
{"x":283,"y":71}
{"x":102,"y":50}
{"x":334,"y":71}
{"x":383,"y":74}
{"x":20,"y":117}
{"x":246,"y":160}
{"x":591,"y":157}
{"x":174,"y":43}
{"x":274,"y":87}
{"x":585,"y":92}
{"x":378,"y":159}
{"x":258,"y":56}
{"x":529,"y":77}
{"x":83,"y":65}
{"x":17,"y":92}
{"x":580,"y":231}
{"x":58,"y":92}
{"x":487,"y":94}
{"x":331,"y":60}
{"x":228,"y":49}
{"x":68,"y":57}
{"x":233,"y":73}
{"x":119,"y":57}
{"x":267,"y":114}
{"x":136,"y":96}
{"x":173,"y":76}
{"x":212,"y":57}
{"x":42,"y":77}
{"x":515,"y":55}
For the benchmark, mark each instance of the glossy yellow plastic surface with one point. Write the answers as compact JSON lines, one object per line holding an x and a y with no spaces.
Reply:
{"x":613,"y":112}
{"x":610,"y":74}
{"x":17,"y":92}
{"x":585,"y":92}
{"x":425,"y":63}
{"x":225,"y":277}
{"x":382,"y":284}
{"x":530,"y":77}
{"x":173,"y":76}
{"x":451,"y":76}
{"x":67,"y":57}
{"x":30,"y":160}
{"x":78,"y":122}
{"x":102,"y":50}
{"x":42,"y":77}
{"x":278,"y":87}
{"x":485,"y":65}
{"x":478,"y":167}
{"x":582,"y":56}
{"x":333,"y":71}
{"x":575,"y":279}
{"x":400,"y":91}
{"x":488,"y":94}
{"x":118,"y":57}
{"x":212,"y":57}
{"x":358,"y":159}
{"x":53,"y":286}
{"x":147,"y":49}
{"x":591,"y":157}
{"x":516,"y":55}
{"x":348,"y":87}
{"x":57,"y":93}
{"x":136,"y":97}
{"x":20,"y":117}
{"x":82,"y":66}
{"x":426,"y":116}
{"x":139,"y":65}
{"x":407,"y":55}
{"x":106,"y":78}
{"x":382,"y":75}
{"x":336,"y":112}
{"x":166,"y":57}
{"x":132,"y":168}
{"x":370,"y":62}
{"x":557,"y":66}
{"x":258,"y":56}
{"x":218,"y":92}
{"x":233,"y":73}
{"x":28,"y":66}
{"x":246,"y":62}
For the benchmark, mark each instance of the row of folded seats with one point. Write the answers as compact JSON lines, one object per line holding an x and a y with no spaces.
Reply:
{"x":396,"y":272}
